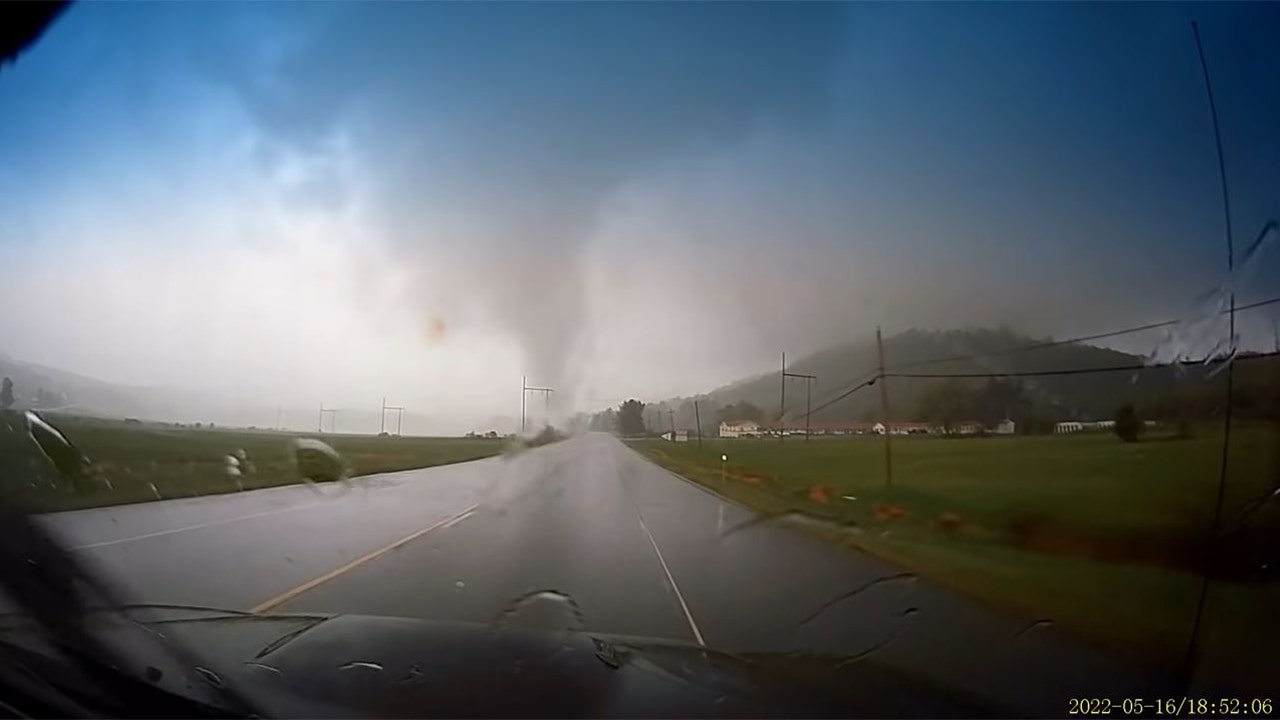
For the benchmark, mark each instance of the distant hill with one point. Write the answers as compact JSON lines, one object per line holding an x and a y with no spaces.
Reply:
{"x":1066,"y":397}
{"x":38,"y":386}
{"x":46,"y":388}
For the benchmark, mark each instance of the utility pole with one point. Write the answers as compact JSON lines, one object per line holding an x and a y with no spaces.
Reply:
{"x":277,"y":417}
{"x":672,"y":414}
{"x":398,"y":410}
{"x":697,"y":420}
{"x":333,"y":418}
{"x":782,"y":402}
{"x":808,"y":380}
{"x":524,"y":391}
{"x":808,"y":407}
{"x":884,"y":414}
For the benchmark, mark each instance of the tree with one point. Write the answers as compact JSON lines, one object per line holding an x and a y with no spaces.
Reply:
{"x":44,"y":398}
{"x":945,"y":404}
{"x":741,"y":411}
{"x":605,"y":421}
{"x":1128,"y":425}
{"x":6,"y":394}
{"x":631,"y":418}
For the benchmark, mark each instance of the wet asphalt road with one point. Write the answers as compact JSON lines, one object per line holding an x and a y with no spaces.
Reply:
{"x":638,"y":550}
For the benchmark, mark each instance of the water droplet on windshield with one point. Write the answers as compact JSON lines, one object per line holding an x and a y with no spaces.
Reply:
{"x":543,"y":609}
{"x":66,"y":457}
{"x":362,"y":665}
{"x":316,"y":462}
{"x":1037,"y":624}
{"x":152,"y":674}
{"x":459,"y":585}
{"x":1202,"y":335}
{"x":209,"y":677}
{"x":606,"y":653}
{"x":263,"y":667}
{"x":154,"y":491}
{"x":790,"y":516}
{"x":413,"y":675}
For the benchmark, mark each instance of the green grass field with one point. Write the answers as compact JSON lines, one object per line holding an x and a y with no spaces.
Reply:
{"x":185,"y":462}
{"x":1107,"y":539}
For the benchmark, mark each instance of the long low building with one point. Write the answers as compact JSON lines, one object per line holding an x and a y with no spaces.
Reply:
{"x":740,"y":428}
{"x":1081,"y":426}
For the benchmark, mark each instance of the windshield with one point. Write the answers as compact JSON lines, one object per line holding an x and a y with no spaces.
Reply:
{"x":942,"y":338}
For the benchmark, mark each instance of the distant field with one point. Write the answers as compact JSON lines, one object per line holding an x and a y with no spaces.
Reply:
{"x":1105,"y":538}
{"x":185,"y":462}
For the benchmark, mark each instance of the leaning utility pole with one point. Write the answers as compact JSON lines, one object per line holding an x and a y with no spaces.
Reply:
{"x":333,"y":418}
{"x":884,"y":414}
{"x":672,"y":414}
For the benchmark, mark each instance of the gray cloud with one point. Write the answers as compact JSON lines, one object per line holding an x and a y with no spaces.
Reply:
{"x":491,"y":135}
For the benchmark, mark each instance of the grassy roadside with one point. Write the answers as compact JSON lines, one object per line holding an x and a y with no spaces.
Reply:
{"x":145,"y":462}
{"x":1105,"y":539}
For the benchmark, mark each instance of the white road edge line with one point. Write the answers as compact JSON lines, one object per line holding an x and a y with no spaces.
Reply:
{"x":697,"y":634}
{"x":162,"y":533}
{"x":295,"y":592}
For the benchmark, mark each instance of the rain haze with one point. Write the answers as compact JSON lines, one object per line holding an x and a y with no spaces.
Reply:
{"x":303,"y":203}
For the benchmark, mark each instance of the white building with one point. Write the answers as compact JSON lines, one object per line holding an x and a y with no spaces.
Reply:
{"x":1005,"y":427}
{"x":1068,"y":427}
{"x":741,"y":428}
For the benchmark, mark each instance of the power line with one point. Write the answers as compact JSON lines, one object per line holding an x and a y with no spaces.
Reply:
{"x":1075,"y":371}
{"x":845,"y":394}
{"x":1080,"y":339}
{"x":1026,"y":373}
{"x":1032,"y":373}
{"x":870,"y":378}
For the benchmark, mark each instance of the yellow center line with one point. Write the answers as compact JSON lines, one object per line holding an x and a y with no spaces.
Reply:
{"x":312,"y":584}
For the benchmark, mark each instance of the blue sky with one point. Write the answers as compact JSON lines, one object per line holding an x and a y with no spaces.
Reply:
{"x":573,"y":189}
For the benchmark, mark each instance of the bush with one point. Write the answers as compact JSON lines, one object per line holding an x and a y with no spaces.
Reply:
{"x":546,"y":437}
{"x":1128,"y":425}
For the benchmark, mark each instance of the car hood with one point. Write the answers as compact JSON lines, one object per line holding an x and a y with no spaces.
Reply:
{"x":345,"y":665}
